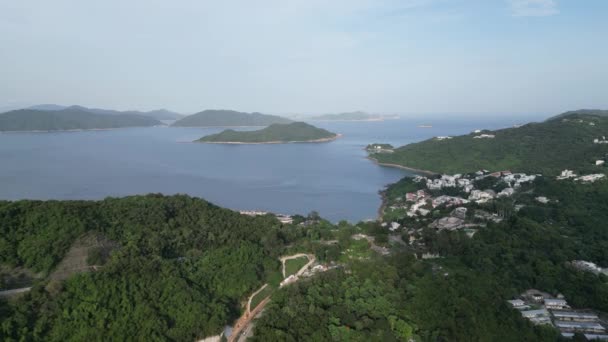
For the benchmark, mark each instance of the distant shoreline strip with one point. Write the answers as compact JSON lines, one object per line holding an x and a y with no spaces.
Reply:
{"x":322,"y":140}
{"x":427,"y":172}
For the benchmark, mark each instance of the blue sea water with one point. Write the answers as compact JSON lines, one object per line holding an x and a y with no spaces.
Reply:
{"x":335,"y":179}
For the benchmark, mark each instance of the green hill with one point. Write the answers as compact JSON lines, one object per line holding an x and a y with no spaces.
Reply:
{"x":227,"y":118}
{"x":159,"y":114}
{"x":547,"y":147}
{"x":276,"y":133}
{"x":178,"y":269}
{"x":595,"y":112}
{"x":69,"y":119}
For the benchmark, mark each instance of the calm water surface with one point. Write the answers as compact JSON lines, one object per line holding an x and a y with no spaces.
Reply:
{"x":334,"y":178}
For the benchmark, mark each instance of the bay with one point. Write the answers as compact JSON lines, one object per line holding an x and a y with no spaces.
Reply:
{"x":335,"y":179}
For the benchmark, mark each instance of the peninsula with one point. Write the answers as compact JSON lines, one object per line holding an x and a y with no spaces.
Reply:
{"x":575,"y":140}
{"x":229,"y":118}
{"x":297,"y":132}
{"x":69,"y":119}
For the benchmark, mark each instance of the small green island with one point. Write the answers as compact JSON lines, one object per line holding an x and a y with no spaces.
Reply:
{"x":229,"y":118}
{"x":297,"y":132}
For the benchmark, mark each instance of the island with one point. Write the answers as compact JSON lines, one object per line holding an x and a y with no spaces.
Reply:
{"x":158,"y":114}
{"x":353,"y":116}
{"x":69,"y":119}
{"x":229,"y":118}
{"x":297,"y":132}
{"x":573,"y":141}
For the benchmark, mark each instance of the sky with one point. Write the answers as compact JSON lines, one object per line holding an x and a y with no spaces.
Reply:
{"x":307,"y":56}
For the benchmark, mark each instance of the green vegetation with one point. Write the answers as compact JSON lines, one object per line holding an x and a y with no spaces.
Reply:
{"x":595,"y":112}
{"x":258,"y":298}
{"x":547,"y":147}
{"x":292,"y":266}
{"x":357,"y":250}
{"x":69,"y":119}
{"x":181,"y":268}
{"x":159,"y":114}
{"x":394,"y":299}
{"x":276,"y":133}
{"x":351,"y":116}
{"x":226,"y":118}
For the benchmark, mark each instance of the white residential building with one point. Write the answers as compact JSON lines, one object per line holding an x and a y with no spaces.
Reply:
{"x":542,"y":199}
{"x":590,"y":178}
{"x":506,"y":192}
{"x":566,"y":174}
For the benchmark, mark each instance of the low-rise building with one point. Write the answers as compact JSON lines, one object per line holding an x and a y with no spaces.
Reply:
{"x":484,"y":136}
{"x":506,"y":192}
{"x":590,"y":178}
{"x":575,"y":316}
{"x":556,"y":303}
{"x":542,"y":199}
{"x":566,"y":174}
{"x":591,"y":327}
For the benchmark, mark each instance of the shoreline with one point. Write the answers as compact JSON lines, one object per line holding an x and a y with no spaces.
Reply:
{"x":426,"y":172}
{"x":322,"y":140}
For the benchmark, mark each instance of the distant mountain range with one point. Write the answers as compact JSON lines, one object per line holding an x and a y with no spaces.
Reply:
{"x":160,"y":114}
{"x":352,"y":116}
{"x":228,"y":118}
{"x":71,"y":118}
{"x":275,"y":133}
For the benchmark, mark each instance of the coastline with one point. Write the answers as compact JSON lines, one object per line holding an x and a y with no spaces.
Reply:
{"x":426,"y":172}
{"x":382,"y":205}
{"x":322,"y":140}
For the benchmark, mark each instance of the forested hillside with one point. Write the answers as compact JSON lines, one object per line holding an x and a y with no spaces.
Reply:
{"x":547,"y":147}
{"x":181,"y":269}
{"x":293,"y":132}
{"x":69,"y":119}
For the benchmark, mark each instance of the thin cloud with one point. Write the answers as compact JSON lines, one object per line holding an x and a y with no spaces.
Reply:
{"x":533,"y":8}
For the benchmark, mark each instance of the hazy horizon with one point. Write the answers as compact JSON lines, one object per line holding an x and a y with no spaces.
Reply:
{"x":504,"y":57}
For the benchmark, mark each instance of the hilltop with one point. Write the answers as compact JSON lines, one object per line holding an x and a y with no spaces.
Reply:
{"x":227,"y":118}
{"x":583,"y":112}
{"x":69,"y":119}
{"x":276,"y":133}
{"x":159,"y":114}
{"x":569,"y":141}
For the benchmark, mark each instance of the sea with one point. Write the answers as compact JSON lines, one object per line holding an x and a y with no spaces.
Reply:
{"x":335,"y":179}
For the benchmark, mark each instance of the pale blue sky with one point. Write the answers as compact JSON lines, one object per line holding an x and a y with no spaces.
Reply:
{"x":307,"y":56}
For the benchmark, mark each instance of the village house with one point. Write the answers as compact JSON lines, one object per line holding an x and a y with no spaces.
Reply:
{"x":566,"y":174}
{"x":484,"y":136}
{"x":590,"y":178}
{"x":575,"y":316}
{"x":556,"y":303}
{"x":480,"y":196}
{"x":542,"y":199}
{"x":506,"y":192}
{"x":540,"y":316}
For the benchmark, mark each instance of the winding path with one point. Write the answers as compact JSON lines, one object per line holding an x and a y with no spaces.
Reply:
{"x":311,"y":260}
{"x":244,"y":322}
